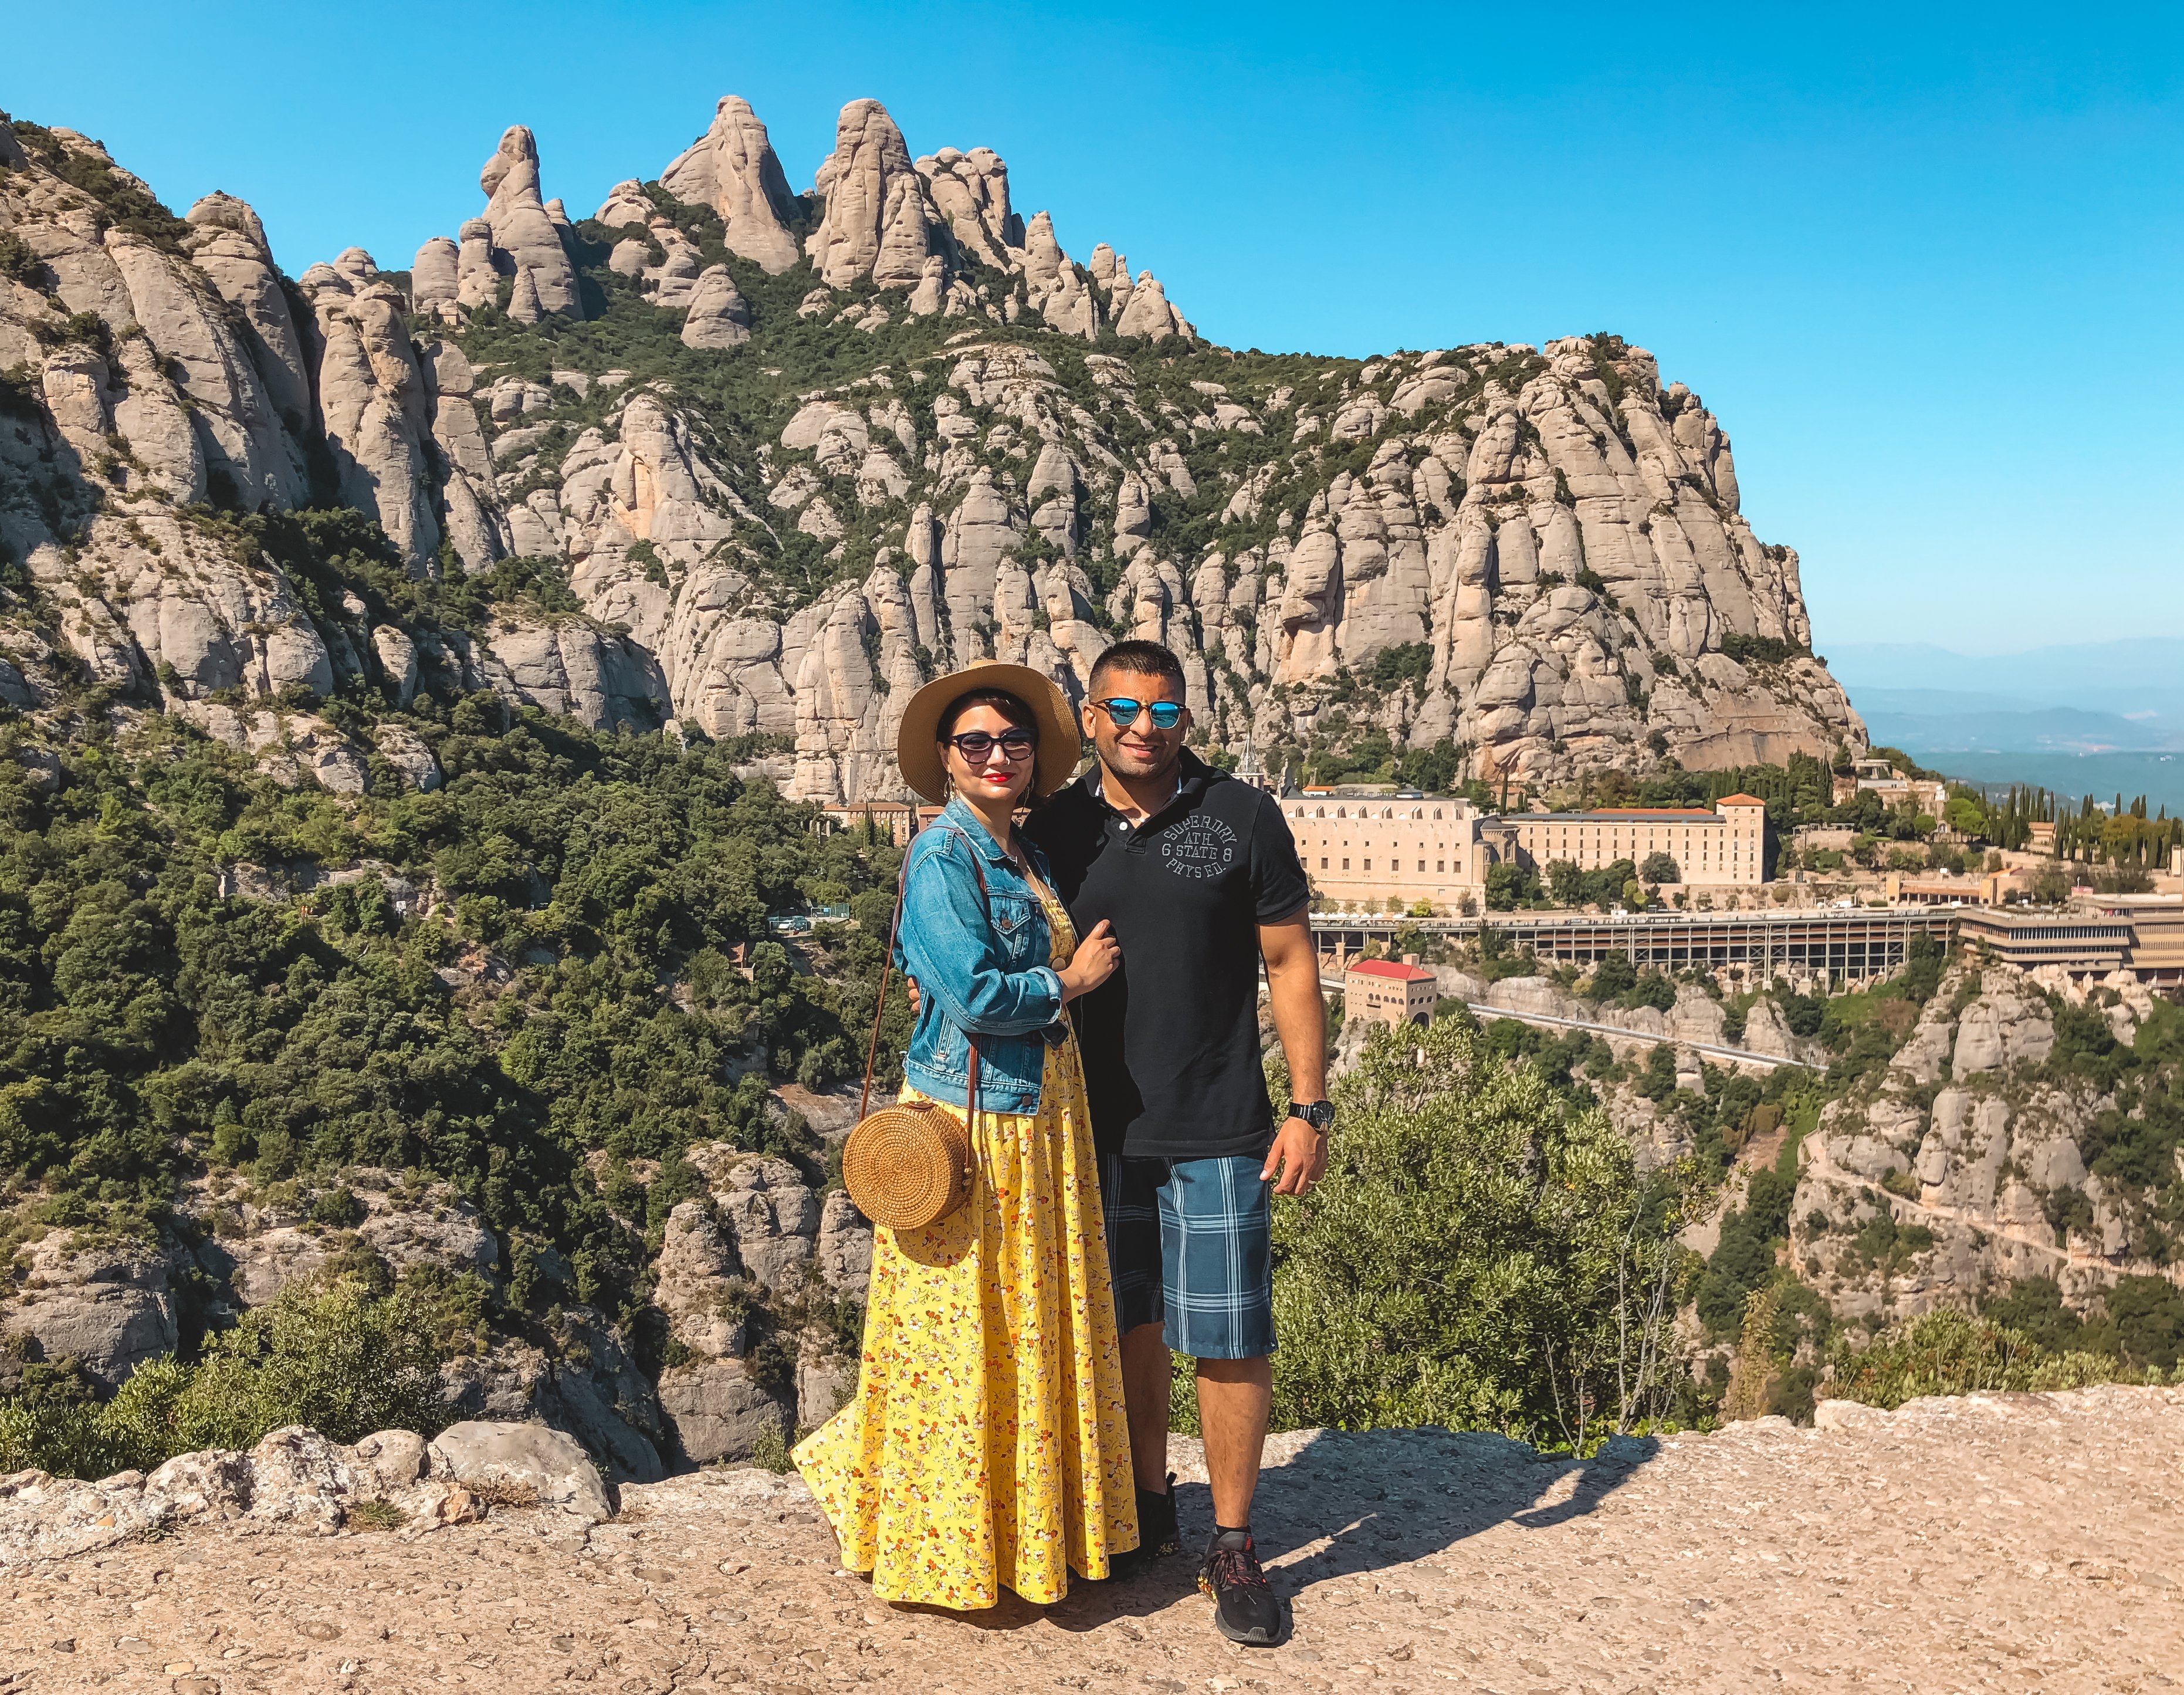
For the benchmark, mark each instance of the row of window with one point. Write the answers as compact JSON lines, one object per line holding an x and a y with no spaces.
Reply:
{"x":1394,"y":866}
{"x":1434,"y":847}
{"x":2049,"y":933}
{"x":1366,"y":812}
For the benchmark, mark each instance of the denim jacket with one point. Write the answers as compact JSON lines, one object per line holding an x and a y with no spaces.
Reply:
{"x":990,"y":980}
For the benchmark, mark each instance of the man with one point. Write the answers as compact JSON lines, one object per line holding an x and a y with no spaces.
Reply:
{"x":1200,"y":879}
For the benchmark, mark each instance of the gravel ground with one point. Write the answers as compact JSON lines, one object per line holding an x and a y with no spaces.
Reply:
{"x":2014,"y":1544}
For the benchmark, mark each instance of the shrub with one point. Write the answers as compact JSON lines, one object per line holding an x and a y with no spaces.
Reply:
{"x":1755,"y":1360}
{"x":1951,"y":1354}
{"x":1762,"y":649}
{"x":1612,"y":976}
{"x":1406,"y":662}
{"x":1658,"y":1082}
{"x":338,"y":1360}
{"x":1470,"y":1253}
{"x":17,"y":262}
{"x":336,"y":1207}
{"x":771,"y":1451}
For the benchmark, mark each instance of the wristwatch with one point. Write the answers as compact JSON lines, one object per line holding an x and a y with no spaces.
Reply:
{"x":1319,"y":1114}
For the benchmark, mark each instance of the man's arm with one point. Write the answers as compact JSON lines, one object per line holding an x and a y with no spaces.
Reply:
{"x":1300,"y":1152}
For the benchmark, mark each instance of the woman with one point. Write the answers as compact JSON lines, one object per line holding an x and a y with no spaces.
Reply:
{"x":987,"y":1448}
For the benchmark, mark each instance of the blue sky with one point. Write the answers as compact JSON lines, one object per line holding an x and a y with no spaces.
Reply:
{"x":1923,"y":262}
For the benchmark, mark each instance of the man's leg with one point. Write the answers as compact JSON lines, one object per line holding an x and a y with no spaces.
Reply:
{"x":1216,"y":1264}
{"x":1147,"y":1371}
{"x":1128,"y":1199}
{"x":1235,"y":1398}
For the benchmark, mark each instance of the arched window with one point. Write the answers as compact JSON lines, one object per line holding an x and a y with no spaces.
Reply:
{"x":1341,"y":811}
{"x":1436,"y":814}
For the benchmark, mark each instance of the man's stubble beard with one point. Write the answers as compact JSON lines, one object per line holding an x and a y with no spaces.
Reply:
{"x":1122,"y":763}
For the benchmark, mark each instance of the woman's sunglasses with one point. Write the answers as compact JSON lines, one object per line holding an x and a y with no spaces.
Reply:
{"x":978,"y":747}
{"x":1164,"y":714}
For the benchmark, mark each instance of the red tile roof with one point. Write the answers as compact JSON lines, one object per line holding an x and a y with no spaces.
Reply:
{"x":1669,"y":815}
{"x":1739,"y":800}
{"x":1395,"y":969}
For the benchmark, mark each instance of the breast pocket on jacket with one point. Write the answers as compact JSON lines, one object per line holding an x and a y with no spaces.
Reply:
{"x":1013,"y":926}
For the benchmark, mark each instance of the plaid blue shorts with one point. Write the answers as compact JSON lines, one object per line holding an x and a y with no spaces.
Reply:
{"x":1189,"y":1248}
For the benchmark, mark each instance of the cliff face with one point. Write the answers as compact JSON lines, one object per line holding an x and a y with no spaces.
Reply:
{"x":784,"y":486}
{"x":2019,"y":1126}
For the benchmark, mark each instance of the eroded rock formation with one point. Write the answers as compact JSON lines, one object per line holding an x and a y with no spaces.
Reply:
{"x":523,"y":231}
{"x":732,"y":169}
{"x":1535,"y":555}
{"x":879,"y":223}
{"x":1969,"y":1135}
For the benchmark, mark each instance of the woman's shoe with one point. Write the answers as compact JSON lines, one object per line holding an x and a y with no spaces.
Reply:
{"x":1156,"y":1533}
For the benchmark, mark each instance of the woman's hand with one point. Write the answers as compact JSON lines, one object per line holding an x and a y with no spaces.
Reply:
{"x":1098,"y":954}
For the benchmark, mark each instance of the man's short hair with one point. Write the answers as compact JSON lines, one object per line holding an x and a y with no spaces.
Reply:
{"x":1138,"y":659}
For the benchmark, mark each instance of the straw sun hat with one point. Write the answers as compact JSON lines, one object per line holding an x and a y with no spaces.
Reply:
{"x":917,"y":748}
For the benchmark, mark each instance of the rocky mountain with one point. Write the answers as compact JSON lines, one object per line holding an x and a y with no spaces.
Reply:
{"x":757,"y":1244}
{"x":765,"y":459}
{"x":2023,"y":1128}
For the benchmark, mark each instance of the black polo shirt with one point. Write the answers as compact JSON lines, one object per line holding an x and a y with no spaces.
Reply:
{"x":1171,"y":1041}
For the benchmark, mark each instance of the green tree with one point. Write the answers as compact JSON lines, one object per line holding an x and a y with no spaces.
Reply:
{"x":1612,"y":975}
{"x":1478,"y":1254}
{"x":1510,"y":886}
{"x":1431,"y":770}
{"x":1659,"y":867}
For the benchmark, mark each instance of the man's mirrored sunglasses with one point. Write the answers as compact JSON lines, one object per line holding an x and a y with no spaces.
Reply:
{"x":1166,"y":714}
{"x":976,"y":744}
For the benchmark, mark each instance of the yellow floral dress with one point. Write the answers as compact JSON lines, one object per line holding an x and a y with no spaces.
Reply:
{"x":986,"y":1446}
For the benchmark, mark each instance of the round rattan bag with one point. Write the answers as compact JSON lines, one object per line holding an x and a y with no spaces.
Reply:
{"x":908,"y":1165}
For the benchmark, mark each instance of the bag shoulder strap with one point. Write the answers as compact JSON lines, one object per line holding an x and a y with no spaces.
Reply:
{"x":887,"y":970}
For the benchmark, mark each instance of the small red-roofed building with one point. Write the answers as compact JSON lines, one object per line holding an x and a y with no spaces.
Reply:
{"x":1389,"y":991}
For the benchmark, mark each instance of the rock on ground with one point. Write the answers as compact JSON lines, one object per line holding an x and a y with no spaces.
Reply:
{"x":2008,"y":1543}
{"x":553,"y":1466}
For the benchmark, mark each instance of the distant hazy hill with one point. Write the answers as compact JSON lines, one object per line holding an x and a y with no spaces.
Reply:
{"x":2092,"y":719}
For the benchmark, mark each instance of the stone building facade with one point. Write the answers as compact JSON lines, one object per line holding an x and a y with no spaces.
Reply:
{"x":1372,"y":848}
{"x":1725,"y":845}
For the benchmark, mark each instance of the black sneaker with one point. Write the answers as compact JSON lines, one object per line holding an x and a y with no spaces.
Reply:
{"x":1245,"y":1610}
{"x":1156,"y":1533}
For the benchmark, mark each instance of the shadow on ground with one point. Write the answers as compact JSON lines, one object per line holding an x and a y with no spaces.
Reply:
{"x":1345,"y":1503}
